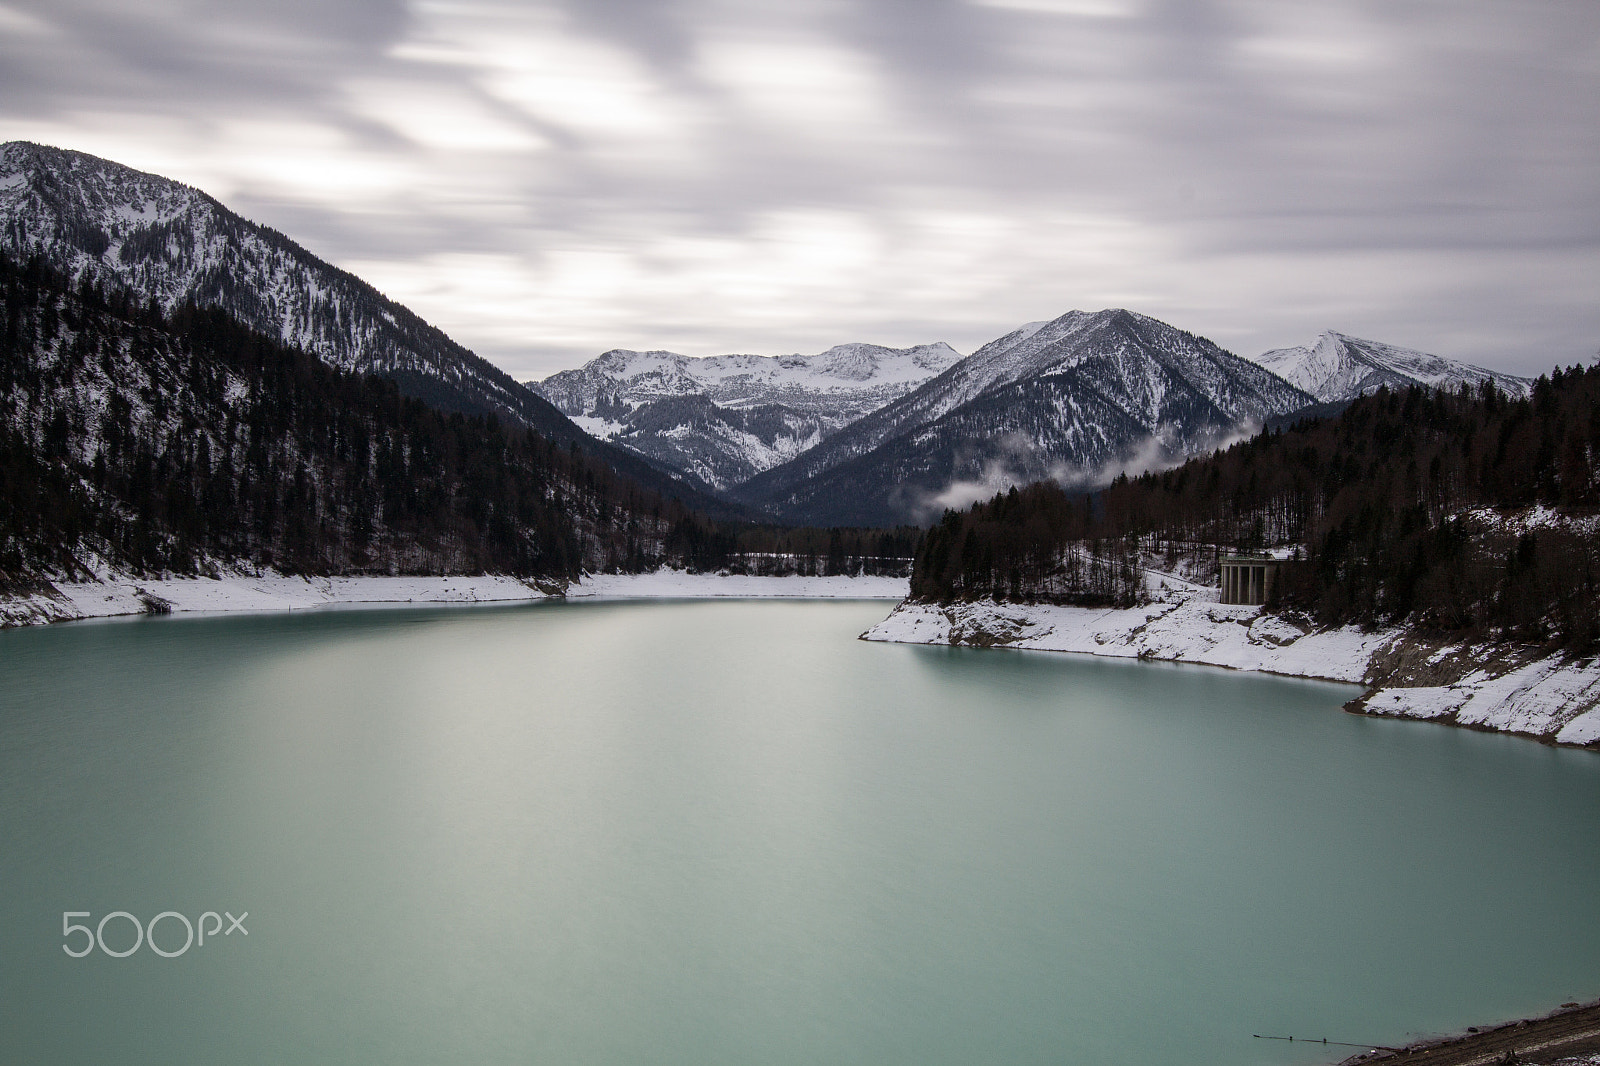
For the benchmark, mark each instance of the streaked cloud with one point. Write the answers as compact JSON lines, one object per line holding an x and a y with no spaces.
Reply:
{"x":440,"y":116}
{"x":1073,"y":8}
{"x":531,"y":59}
{"x":809,"y":88}
{"x":551,"y":178}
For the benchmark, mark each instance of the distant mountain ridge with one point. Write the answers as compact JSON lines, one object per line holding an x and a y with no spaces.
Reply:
{"x":862,"y":375}
{"x":126,"y":230}
{"x":726,"y":418}
{"x":1059,"y":399}
{"x":1337,"y":368}
{"x":858,"y":434}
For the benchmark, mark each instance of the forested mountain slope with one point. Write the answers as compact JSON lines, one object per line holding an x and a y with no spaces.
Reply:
{"x":148,"y":443}
{"x":124,"y":230}
{"x":183,"y":442}
{"x":1461,"y":512}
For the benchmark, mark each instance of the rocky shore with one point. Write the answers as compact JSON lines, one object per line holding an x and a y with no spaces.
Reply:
{"x":1494,"y":687}
{"x":1569,"y":1036}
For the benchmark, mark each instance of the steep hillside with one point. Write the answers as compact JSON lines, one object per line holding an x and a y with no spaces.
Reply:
{"x":149,"y":442}
{"x":1463,"y":512}
{"x":1336,"y":368}
{"x":171,"y":245}
{"x":726,"y":418}
{"x":1070,"y":399}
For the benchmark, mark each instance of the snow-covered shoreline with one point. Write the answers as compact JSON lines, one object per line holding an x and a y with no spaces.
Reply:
{"x":1551,"y":699}
{"x":118,"y":595}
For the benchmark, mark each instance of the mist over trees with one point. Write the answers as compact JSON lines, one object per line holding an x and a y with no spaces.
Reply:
{"x":1461,"y":511}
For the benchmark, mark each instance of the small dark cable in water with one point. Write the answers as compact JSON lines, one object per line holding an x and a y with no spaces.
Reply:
{"x":1323,"y":1040}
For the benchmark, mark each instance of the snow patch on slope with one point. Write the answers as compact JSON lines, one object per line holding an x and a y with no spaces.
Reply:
{"x":1550,"y":698}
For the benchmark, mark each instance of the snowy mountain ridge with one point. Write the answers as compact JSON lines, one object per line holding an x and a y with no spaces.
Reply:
{"x":1336,"y":367}
{"x":125,"y":229}
{"x":1080,"y":393}
{"x":1134,"y":342}
{"x":845,"y":377}
{"x":726,"y":418}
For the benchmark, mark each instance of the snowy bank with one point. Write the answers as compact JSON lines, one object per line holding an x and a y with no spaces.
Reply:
{"x":1195,"y":631}
{"x":680,"y":584}
{"x":115,"y":595}
{"x":1552,"y":699}
{"x":118,"y":594}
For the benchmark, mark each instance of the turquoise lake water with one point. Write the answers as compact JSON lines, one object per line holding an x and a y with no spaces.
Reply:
{"x":729,"y":832}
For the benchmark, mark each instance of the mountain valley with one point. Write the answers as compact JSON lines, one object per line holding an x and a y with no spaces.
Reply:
{"x":858,"y":435}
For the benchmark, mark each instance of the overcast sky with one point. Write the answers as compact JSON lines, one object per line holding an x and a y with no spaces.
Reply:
{"x":547,"y":180}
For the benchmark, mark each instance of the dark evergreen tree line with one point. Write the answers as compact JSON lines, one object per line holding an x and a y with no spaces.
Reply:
{"x":1409,"y":505}
{"x":807,"y":550}
{"x":179,"y":443}
{"x":172,"y":444}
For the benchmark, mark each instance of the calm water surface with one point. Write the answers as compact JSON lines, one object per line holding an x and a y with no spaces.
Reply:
{"x":731,"y":833}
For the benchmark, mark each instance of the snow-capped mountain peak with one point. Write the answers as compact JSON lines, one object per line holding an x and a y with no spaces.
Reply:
{"x":725,"y":418}
{"x":878,"y":373}
{"x":1081,"y":392}
{"x":97,"y":220}
{"x":1337,"y":367}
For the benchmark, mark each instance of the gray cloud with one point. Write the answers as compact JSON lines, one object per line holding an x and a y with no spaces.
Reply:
{"x":546,"y":180}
